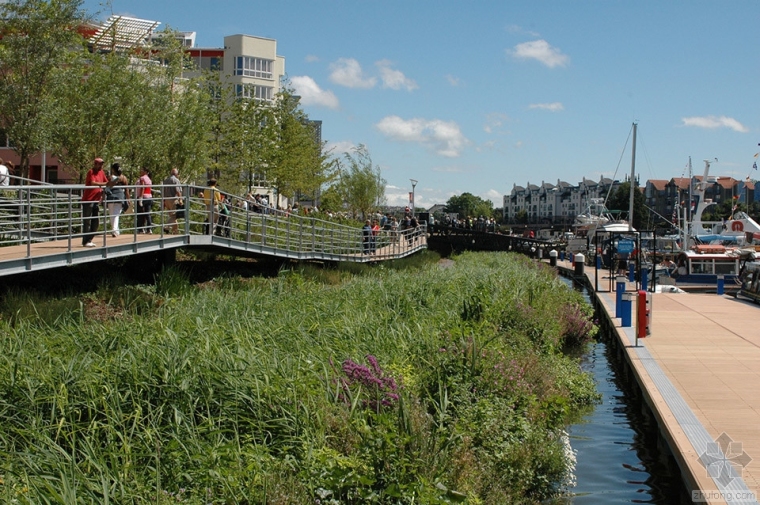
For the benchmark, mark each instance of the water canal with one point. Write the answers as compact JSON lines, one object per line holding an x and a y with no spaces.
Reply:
{"x":621,"y":457}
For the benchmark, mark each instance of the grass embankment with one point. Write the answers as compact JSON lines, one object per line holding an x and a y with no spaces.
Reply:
{"x":417,"y":385}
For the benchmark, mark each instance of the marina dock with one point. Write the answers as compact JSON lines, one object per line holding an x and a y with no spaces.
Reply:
{"x":699,"y":371}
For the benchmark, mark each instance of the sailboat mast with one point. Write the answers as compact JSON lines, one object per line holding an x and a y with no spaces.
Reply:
{"x":633,"y":174}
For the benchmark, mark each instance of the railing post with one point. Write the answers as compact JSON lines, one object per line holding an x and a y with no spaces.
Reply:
{"x":28,"y":222}
{"x":313,"y":234}
{"x":71,"y":214}
{"x":264,"y":228}
{"x":300,"y":234}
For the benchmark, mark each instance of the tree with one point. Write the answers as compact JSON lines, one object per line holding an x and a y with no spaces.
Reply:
{"x":251,"y":129}
{"x":469,"y":205}
{"x":360,"y":182}
{"x":115,"y":105}
{"x":39,"y":38}
{"x":332,"y":199}
{"x":93,"y":120}
{"x":620,"y":202}
{"x":300,"y":165}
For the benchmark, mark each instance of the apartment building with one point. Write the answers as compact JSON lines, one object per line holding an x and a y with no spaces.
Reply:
{"x":559,"y":204}
{"x":250,"y":64}
{"x":554,"y":203}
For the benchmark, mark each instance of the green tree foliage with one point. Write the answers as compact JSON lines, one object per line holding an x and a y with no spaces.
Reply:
{"x":37,"y":40}
{"x":620,"y":201}
{"x":469,"y":205}
{"x":141,"y":107}
{"x":221,"y":142}
{"x":252,"y":130}
{"x":112,"y":105}
{"x":299,"y":167}
{"x":332,"y":199}
{"x":360,"y":182}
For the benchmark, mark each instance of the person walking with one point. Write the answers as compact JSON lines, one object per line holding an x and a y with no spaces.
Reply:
{"x":366,"y":236}
{"x":375,"y":236}
{"x":212,"y":197}
{"x":172,"y":193}
{"x":5,"y":181}
{"x":116,"y":197}
{"x":95,"y":180}
{"x":144,"y":202}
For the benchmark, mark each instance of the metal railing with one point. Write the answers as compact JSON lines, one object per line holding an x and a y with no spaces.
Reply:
{"x":36,"y":213}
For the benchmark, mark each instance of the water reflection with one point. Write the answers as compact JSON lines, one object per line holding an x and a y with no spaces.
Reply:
{"x":620,"y":457}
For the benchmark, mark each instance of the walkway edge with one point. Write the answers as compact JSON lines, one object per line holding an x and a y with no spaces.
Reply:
{"x":687,"y":438}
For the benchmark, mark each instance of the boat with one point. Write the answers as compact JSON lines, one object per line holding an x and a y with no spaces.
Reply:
{"x":593,"y":215}
{"x":739,"y":229}
{"x":749,"y":278}
{"x":698,"y":268}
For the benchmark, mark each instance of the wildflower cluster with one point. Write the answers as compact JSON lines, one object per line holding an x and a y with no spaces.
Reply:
{"x":576,"y":327}
{"x":504,"y":376}
{"x":381,"y":389}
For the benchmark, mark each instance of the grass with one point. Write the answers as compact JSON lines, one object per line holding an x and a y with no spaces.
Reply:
{"x":399,"y":384}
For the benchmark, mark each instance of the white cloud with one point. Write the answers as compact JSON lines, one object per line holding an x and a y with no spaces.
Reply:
{"x":540,"y":50}
{"x":312,"y":94}
{"x":444,"y":137}
{"x":494,"y":121}
{"x":454,"y":81}
{"x":347,"y":72}
{"x":310,"y":58}
{"x":496,"y":197}
{"x":713,"y":122}
{"x":552,"y":107}
{"x":519,"y":30}
{"x":340,"y":147}
{"x":394,"y":79}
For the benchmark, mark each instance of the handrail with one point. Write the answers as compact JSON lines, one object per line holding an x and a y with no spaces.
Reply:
{"x":33,"y":213}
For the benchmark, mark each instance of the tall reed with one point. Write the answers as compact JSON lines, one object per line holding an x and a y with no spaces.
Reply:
{"x":279,"y":390}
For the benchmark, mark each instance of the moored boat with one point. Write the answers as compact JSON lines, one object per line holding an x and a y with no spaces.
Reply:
{"x":699,"y":267}
{"x":750,"y":281}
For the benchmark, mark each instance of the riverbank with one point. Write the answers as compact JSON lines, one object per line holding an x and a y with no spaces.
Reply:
{"x":427,"y":384}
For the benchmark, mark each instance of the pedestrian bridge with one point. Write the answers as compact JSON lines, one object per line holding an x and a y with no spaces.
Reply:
{"x":41,"y":228}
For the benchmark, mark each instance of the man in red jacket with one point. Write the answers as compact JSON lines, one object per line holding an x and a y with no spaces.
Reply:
{"x":95,"y":181}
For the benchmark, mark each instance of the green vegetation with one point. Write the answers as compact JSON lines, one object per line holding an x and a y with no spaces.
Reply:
{"x":396,"y":384}
{"x":468,"y":205}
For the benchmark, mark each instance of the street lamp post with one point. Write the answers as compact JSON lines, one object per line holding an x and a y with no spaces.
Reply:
{"x":414,"y":183}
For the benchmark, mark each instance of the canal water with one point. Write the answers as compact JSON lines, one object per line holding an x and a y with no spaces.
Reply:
{"x":620,"y":455}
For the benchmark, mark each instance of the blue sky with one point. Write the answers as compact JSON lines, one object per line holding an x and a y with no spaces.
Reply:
{"x":477,"y":96}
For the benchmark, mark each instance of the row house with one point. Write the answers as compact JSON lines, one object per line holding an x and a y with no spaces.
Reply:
{"x":667,"y":198}
{"x":561,"y":203}
{"x":555,"y":204}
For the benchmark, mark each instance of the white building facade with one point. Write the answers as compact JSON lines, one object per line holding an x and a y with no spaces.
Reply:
{"x":553,"y":204}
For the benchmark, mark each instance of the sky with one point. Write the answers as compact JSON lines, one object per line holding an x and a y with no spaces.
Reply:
{"x":477,"y":96}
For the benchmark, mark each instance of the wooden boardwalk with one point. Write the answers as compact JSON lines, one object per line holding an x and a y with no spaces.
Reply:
{"x":700,"y":373}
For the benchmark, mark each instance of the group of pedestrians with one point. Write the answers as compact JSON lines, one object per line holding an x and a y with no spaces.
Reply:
{"x":371,"y":231}
{"x":111,"y":189}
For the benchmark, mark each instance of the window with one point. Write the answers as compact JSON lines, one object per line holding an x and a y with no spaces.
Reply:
{"x":701,"y":267}
{"x":253,"y":91}
{"x":253,"y":67}
{"x":725,"y":268}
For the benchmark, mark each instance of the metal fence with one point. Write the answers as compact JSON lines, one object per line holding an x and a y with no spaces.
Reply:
{"x":36,"y":213}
